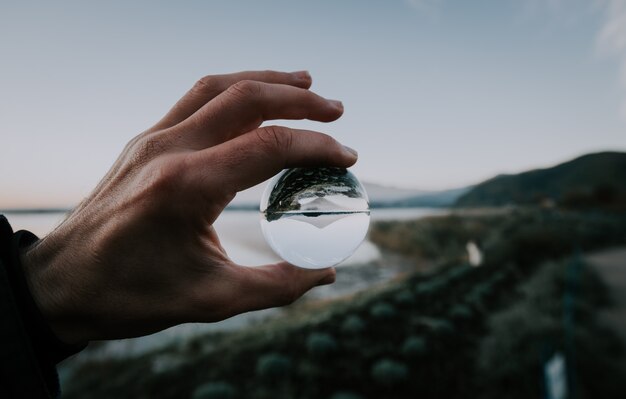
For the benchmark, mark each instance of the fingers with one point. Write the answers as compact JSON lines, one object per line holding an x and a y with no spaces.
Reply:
{"x":209,"y":87}
{"x":258,"y":155}
{"x":245,"y":105}
{"x":273,"y":285}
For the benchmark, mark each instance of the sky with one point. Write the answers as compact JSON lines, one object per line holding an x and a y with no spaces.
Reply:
{"x":437,"y":93}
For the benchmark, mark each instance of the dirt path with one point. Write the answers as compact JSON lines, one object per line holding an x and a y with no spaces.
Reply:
{"x":611,"y":265}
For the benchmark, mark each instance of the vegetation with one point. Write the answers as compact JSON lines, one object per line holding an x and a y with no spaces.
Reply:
{"x":521,"y":236}
{"x":588,"y":181}
{"x":321,"y":344}
{"x":455,"y":330}
{"x":557,"y":314}
{"x":273,"y":366}
{"x":215,"y":390}
{"x":414,"y":347}
{"x":389,"y":373}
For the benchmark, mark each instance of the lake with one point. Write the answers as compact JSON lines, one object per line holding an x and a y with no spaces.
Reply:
{"x":239,"y":232}
{"x":241,"y":236}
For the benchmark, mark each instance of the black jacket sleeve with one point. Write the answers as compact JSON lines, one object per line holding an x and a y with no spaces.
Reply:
{"x":29,"y":350}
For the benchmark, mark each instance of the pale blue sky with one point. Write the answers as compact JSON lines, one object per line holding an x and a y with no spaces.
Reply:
{"x":438,"y":93}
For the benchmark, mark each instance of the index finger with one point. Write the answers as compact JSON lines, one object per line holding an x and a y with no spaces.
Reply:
{"x":258,"y":155}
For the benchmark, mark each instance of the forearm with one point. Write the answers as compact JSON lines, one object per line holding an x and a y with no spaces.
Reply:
{"x":30,"y":348}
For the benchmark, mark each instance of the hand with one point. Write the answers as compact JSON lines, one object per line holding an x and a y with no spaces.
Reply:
{"x":140,"y":254}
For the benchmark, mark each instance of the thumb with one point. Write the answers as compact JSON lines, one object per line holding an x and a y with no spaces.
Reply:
{"x":274,"y":285}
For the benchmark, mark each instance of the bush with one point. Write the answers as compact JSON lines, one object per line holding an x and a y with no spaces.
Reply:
{"x":215,"y":390}
{"x":321,"y":344}
{"x":273,"y":365}
{"x":353,"y":324}
{"x":477,"y":297}
{"x":433,"y":238}
{"x":414,"y":346}
{"x":443,"y":327}
{"x":461,"y":312}
{"x":598,"y":362}
{"x":404,"y":297}
{"x":431,"y":286}
{"x":383,"y":310}
{"x":459,"y":272}
{"x":346,"y":395}
{"x":388,"y":372}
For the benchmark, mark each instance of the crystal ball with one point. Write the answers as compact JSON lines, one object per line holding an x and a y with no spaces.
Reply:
{"x":314,"y":217}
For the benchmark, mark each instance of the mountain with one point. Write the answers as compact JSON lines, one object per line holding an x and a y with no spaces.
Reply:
{"x":380,"y":193}
{"x":379,"y":196}
{"x":592,"y":179}
{"x":433,"y":199}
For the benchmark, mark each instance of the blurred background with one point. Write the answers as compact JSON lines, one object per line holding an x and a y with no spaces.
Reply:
{"x":492,"y":139}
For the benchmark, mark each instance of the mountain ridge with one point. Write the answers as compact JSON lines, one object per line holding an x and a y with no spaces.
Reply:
{"x":587,"y":179}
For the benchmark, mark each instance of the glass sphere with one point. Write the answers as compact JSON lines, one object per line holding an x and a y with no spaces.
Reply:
{"x":314,"y":217}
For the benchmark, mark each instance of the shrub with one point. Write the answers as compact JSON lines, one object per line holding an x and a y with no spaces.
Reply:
{"x":599,"y":364}
{"x":430,"y":287}
{"x":383,"y":310}
{"x":273,"y":365}
{"x":353,"y":325}
{"x":475,"y":300}
{"x":461,"y":312}
{"x":388,"y":372}
{"x":443,"y":327}
{"x":215,"y":390}
{"x":346,"y":395}
{"x":459,"y":272}
{"x":404,"y":297}
{"x":478,"y":295}
{"x":321,"y":344}
{"x":414,"y":346}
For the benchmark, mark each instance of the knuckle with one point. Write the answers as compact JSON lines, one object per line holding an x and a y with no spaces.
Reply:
{"x":206,"y":84}
{"x":147,"y":148}
{"x":329,"y":142}
{"x":245,"y":89}
{"x":166,"y":175}
{"x":275,"y":138}
{"x":131,"y":145}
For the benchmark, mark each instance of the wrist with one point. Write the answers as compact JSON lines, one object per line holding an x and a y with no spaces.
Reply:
{"x":42,"y":267}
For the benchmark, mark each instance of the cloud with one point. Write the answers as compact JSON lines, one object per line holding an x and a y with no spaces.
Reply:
{"x":612,"y":39}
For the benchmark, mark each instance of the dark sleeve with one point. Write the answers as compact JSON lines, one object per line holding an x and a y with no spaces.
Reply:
{"x":29,"y":350}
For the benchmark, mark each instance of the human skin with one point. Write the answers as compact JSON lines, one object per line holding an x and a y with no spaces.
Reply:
{"x":140,"y":253}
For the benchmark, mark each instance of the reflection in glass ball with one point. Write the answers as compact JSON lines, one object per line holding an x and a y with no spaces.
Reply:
{"x":314,"y":217}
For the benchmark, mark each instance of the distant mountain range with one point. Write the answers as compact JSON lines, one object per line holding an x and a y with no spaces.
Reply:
{"x":380,"y":197}
{"x":593,"y":179}
{"x":433,"y":199}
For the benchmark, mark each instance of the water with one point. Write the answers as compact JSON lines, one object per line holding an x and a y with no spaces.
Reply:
{"x":314,"y":217}
{"x":241,"y":235}
{"x":315,"y":240}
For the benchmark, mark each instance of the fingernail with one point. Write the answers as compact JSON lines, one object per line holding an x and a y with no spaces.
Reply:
{"x":302,"y":75}
{"x":337,"y":104}
{"x":351,"y":151}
